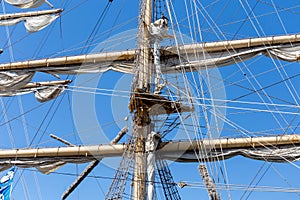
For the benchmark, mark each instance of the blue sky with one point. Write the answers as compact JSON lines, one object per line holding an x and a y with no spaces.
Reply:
{"x":228,"y":19}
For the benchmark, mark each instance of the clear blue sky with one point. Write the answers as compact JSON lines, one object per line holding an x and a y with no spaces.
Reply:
{"x":224,"y":19}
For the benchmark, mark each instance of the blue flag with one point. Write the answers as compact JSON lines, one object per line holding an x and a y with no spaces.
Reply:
{"x":5,"y":184}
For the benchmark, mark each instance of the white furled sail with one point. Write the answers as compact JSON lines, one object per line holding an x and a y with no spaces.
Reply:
{"x":48,"y":93}
{"x":44,"y":165}
{"x":273,"y":149}
{"x":270,"y":154}
{"x":28,"y":3}
{"x":19,"y":85}
{"x":17,"y":82}
{"x":33,"y":21}
{"x":34,"y":24}
{"x":10,"y":22}
{"x":227,"y":56}
{"x":10,"y":81}
{"x":193,"y":57}
{"x":123,"y":61}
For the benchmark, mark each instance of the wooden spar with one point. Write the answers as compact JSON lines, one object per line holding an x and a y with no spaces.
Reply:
{"x":70,"y":60}
{"x":30,"y":14}
{"x":119,"y":136}
{"x":80,"y":178}
{"x":46,"y":83}
{"x":77,"y":151}
{"x":116,"y":150}
{"x":182,"y":148}
{"x":129,"y":55}
{"x":236,"y":44}
{"x":62,"y":140}
{"x":229,"y":143}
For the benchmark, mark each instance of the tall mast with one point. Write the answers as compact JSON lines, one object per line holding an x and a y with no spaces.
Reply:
{"x":141,"y":116}
{"x":144,"y":44}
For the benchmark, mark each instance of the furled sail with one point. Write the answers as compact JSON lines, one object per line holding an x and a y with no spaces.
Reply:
{"x":196,"y":61}
{"x":91,"y":63}
{"x":18,"y":82}
{"x":193,"y":57}
{"x":34,"y":24}
{"x":11,"y":81}
{"x":33,"y":21}
{"x":44,"y":165}
{"x":196,"y":56}
{"x":269,"y":154}
{"x":123,"y":61}
{"x":28,"y":3}
{"x":43,"y":91}
{"x":48,"y":93}
{"x":272,"y":148}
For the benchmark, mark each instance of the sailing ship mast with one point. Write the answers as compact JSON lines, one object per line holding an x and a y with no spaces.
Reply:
{"x":141,"y":90}
{"x":142,"y":121}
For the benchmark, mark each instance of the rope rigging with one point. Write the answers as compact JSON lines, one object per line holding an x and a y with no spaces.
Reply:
{"x":96,"y":28}
{"x":282,"y":111}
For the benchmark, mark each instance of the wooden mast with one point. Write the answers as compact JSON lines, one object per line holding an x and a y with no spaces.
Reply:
{"x":141,"y":120}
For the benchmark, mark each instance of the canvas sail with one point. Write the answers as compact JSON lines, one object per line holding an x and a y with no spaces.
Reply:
{"x":27,"y":3}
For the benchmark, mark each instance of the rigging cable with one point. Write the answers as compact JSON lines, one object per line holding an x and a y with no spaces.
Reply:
{"x":199,"y":184}
{"x":22,"y":113}
{"x":97,"y":26}
{"x":247,"y":69}
{"x":272,"y":58}
{"x":256,"y":175}
{"x":200,"y":81}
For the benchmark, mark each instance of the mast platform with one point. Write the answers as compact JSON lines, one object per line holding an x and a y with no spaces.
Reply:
{"x":156,"y":104}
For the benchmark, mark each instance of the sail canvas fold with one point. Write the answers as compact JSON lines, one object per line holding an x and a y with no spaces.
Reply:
{"x":201,"y":59}
{"x":10,"y":22}
{"x":290,"y":54}
{"x":123,"y":67}
{"x":27,"y":3}
{"x":48,"y":168}
{"x":269,"y":154}
{"x":289,"y":154}
{"x":44,"y":165}
{"x":41,"y":91}
{"x":11,"y":81}
{"x":32,"y":24}
{"x":48,"y":93}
